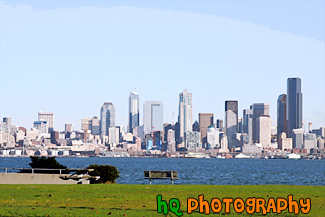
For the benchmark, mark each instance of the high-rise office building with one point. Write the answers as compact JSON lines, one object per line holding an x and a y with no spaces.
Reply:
{"x":171,"y":145}
{"x":49,"y":118}
{"x":212,"y":138}
{"x":259,"y":109}
{"x":310,"y":141}
{"x":248,"y":124}
{"x":113,"y":135}
{"x":263,"y":126}
{"x":294,"y":105}
{"x":281,"y":115}
{"x":219,"y":124}
{"x":85,"y":124}
{"x":41,"y":126}
{"x":196,"y":126}
{"x":95,"y":126}
{"x":185,"y":117}
{"x":231,"y":122}
{"x":68,"y":128}
{"x":153,"y":116}
{"x":6,"y":124}
{"x":107,"y":118}
{"x":192,"y":140}
{"x":205,"y":120}
{"x":133,"y":111}
{"x":297,"y":138}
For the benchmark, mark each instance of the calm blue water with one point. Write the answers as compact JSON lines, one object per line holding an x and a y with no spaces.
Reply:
{"x":203,"y":171}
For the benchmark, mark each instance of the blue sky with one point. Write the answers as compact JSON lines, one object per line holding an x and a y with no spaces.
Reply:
{"x":69,"y":57}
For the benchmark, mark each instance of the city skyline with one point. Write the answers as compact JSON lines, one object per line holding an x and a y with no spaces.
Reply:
{"x":161,"y":50}
{"x":261,"y":109}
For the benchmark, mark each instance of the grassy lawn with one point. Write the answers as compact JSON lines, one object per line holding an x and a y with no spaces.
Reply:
{"x":137,"y":200}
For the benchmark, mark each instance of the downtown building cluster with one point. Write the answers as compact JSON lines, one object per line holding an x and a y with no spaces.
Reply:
{"x":100,"y":136}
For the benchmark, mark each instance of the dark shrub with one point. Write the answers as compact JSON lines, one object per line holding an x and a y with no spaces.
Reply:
{"x":107,"y":173}
{"x":45,"y":163}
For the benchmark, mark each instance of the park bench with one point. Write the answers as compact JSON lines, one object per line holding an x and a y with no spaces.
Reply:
{"x":172,"y":175}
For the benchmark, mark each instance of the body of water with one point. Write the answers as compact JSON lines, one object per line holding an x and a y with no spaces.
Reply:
{"x":203,"y":171}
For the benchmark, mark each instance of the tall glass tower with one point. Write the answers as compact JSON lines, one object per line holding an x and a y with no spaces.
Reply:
{"x":282,"y":115}
{"x":185,"y":117}
{"x":133,"y":111}
{"x":153,"y":116}
{"x":231,"y":121}
{"x":107,"y":118}
{"x":294,"y":105}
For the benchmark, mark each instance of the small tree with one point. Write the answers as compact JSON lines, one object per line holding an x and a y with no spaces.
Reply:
{"x":45,"y":163}
{"x":107,"y":173}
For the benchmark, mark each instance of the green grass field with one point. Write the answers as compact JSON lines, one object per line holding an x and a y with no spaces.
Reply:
{"x":137,"y":200}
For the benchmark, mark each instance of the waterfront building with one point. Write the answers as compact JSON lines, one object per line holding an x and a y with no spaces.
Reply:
{"x":49,"y":118}
{"x":310,"y":141}
{"x":205,"y":120}
{"x":153,"y":116}
{"x":320,"y":143}
{"x":192,"y":140}
{"x":224,"y":144}
{"x":284,"y":143}
{"x":107,"y":118}
{"x":212,"y":137}
{"x":297,"y":136}
{"x":231,"y":121}
{"x":133,"y":111}
{"x":185,"y":116}
{"x":294,"y":105}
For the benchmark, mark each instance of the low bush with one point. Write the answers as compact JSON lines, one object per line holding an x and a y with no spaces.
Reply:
{"x":107,"y":173}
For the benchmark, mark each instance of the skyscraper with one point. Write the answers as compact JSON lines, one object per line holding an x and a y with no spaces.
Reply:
{"x":7,"y":124}
{"x":281,"y":115}
{"x":263,"y":126}
{"x":205,"y":120}
{"x":153,"y":116}
{"x":294,"y":105}
{"x":248,"y":124}
{"x":85,"y":124}
{"x":133,"y":111}
{"x":107,"y":118}
{"x":95,"y":126}
{"x":259,"y":109}
{"x":68,"y":128}
{"x":49,"y":118}
{"x":185,"y":117}
{"x":219,"y":124}
{"x":231,"y":122}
